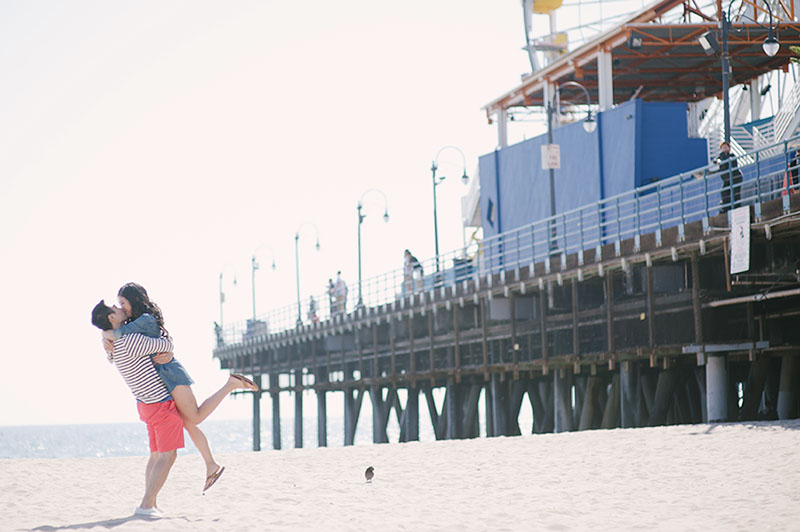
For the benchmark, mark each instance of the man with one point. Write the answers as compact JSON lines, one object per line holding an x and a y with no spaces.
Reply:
{"x":340,"y":293}
{"x":411,"y":267}
{"x":154,"y":403}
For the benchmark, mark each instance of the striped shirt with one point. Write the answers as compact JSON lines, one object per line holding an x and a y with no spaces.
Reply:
{"x":131,"y":357}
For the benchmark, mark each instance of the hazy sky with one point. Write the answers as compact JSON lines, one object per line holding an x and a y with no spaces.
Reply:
{"x":164,"y":142}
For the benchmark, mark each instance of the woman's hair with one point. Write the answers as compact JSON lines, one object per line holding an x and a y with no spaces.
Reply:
{"x":141,"y":304}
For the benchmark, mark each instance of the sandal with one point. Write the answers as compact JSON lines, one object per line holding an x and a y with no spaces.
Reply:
{"x":211,"y":479}
{"x":252,"y":385}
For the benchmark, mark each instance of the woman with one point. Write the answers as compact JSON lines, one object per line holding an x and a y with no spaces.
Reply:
{"x":145,"y":317}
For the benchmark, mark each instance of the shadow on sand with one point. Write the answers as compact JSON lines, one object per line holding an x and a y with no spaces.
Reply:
{"x":106,"y":523}
{"x":788,"y":424}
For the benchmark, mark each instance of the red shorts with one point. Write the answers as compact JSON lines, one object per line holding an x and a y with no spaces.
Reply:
{"x":164,"y":425}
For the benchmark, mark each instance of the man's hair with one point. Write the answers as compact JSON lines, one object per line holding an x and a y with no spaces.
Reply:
{"x":100,"y":314}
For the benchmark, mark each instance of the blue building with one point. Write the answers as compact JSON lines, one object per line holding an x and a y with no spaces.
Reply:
{"x":635,"y":144}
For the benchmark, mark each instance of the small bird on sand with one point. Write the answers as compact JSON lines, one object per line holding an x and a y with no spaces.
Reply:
{"x":369,"y":473}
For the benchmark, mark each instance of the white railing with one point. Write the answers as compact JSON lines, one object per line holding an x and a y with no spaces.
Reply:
{"x":787,"y":114}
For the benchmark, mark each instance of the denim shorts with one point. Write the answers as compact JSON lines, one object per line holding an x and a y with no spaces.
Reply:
{"x":173,"y":374}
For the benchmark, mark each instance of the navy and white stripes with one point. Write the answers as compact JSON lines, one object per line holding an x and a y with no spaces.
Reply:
{"x":131,"y":357}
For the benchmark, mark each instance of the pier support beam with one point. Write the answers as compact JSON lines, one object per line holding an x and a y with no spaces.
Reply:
{"x":589,"y":410}
{"x":454,"y":409}
{"x":410,"y":426}
{"x":322,"y":410}
{"x":665,"y":393}
{"x":611,"y":410}
{"x":257,"y":414}
{"x":562,"y":401}
{"x":276,"y":410}
{"x":499,"y":392}
{"x":471,"y":425}
{"x":716,"y":388}
{"x":380,"y":414}
{"x":629,"y":393}
{"x":787,"y":390}
{"x":298,"y":409}
{"x":437,"y":421}
{"x":352,"y":408}
{"x":541,"y":395}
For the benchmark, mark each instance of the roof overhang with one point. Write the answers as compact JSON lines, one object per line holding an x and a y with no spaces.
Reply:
{"x":670,"y":65}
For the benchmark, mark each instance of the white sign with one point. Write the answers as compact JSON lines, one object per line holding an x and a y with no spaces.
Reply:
{"x":740,"y":240}
{"x":551,"y":156}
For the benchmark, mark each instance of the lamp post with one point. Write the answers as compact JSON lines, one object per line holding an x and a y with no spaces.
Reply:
{"x":297,"y":266}
{"x":255,"y":266}
{"x":707,"y":41}
{"x":438,"y":181}
{"x":589,"y":125}
{"x":222,"y":296}
{"x":360,"y":221}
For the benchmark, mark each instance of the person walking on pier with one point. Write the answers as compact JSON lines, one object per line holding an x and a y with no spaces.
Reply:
{"x":731,"y":177}
{"x":312,"y":310}
{"x":340,"y":293}
{"x":331,"y":307}
{"x":411,"y":268}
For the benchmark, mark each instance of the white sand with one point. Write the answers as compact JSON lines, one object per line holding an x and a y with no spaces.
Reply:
{"x":701,"y":477}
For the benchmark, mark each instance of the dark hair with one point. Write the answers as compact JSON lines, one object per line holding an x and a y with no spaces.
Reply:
{"x":100,"y":314}
{"x":141,"y":304}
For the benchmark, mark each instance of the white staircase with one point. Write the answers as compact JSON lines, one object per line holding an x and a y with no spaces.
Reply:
{"x":705,"y":120}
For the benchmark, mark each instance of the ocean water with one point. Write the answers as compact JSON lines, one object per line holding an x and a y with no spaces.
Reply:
{"x":130,"y":439}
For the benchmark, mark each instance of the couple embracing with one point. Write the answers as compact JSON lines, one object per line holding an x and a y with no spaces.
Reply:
{"x":139,"y":346}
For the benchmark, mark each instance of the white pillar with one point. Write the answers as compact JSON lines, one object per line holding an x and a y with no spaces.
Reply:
{"x":605,"y":81}
{"x":716,"y":388}
{"x":548,"y":96}
{"x":755,"y":100}
{"x":502,"y":128}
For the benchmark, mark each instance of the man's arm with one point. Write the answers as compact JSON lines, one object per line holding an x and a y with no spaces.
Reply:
{"x":139,"y":345}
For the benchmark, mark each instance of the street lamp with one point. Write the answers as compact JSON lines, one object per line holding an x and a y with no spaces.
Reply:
{"x":297,"y":266}
{"x":709,"y":44}
{"x":360,"y":220}
{"x":589,"y":126}
{"x":222,"y":296}
{"x":437,"y":181}
{"x":771,"y":44}
{"x":255,"y":266}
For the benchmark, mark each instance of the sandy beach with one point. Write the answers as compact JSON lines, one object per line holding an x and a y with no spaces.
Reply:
{"x":689,"y":477}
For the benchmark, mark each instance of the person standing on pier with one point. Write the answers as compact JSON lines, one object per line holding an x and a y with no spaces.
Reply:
{"x":411,"y":267}
{"x":340,"y":293}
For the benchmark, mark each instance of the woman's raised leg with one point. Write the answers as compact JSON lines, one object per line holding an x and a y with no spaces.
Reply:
{"x":187,"y":404}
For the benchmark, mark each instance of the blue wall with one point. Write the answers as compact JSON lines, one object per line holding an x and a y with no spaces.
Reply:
{"x":634,"y":144}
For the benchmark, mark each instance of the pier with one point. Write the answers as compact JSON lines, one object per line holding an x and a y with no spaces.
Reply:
{"x":634,"y":320}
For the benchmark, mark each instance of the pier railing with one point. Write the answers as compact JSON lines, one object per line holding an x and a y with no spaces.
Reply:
{"x":767,"y":174}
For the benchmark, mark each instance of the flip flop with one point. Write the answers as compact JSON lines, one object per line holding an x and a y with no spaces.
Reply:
{"x":211,"y":479}
{"x":246,"y":381}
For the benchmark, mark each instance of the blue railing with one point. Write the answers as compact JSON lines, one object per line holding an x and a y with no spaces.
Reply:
{"x":768,"y":173}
